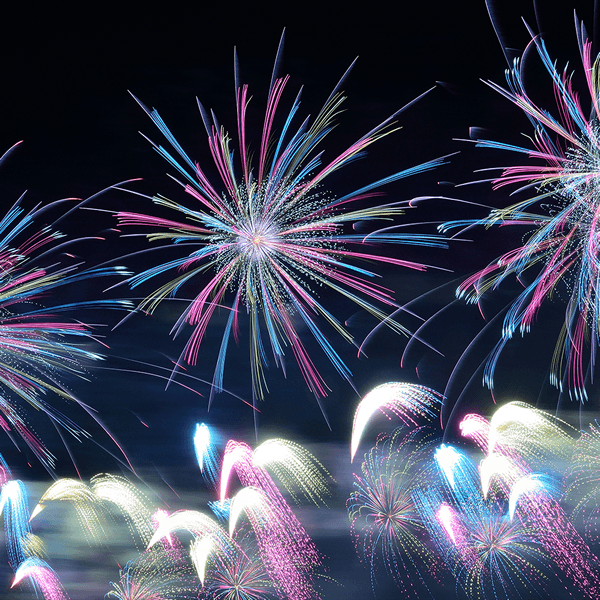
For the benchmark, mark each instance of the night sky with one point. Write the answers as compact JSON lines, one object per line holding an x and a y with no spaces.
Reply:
{"x":66,"y":77}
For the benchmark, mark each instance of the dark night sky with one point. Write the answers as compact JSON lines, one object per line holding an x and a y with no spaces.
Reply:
{"x":65,"y":76}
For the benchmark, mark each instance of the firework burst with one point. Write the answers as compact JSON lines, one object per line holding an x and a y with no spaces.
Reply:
{"x":560,"y":255}
{"x":272,"y":236}
{"x":162,"y":573}
{"x":386,"y":524}
{"x":240,"y":576}
{"x":38,"y":351}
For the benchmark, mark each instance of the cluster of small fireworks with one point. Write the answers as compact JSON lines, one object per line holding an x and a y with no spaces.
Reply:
{"x":428,"y":514}
{"x":264,"y":553}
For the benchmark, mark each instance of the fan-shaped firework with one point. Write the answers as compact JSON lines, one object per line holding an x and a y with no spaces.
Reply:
{"x":272,"y":235}
{"x":133,"y":505}
{"x":44,"y":577}
{"x":296,"y":468}
{"x":561,"y":251}
{"x":90,"y":511}
{"x":407,"y":402}
{"x":518,"y":429}
{"x":386,"y":525}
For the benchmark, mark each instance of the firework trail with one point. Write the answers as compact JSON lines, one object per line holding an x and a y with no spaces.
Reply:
{"x":134,"y":506}
{"x":200,"y":550}
{"x":284,"y":556}
{"x":239,"y":457}
{"x":537,"y":510}
{"x":477,"y":428}
{"x":198,"y":524}
{"x":532,"y":436}
{"x":272,"y":235}
{"x":95,"y":503}
{"x":502,"y":471}
{"x":43,"y":576}
{"x":560,"y":253}
{"x":525,"y":485}
{"x":296,"y":468}
{"x":517,"y":440}
{"x":385,"y":523}
{"x":407,"y":402}
{"x":583,"y":480}
{"x":206,"y":454}
{"x":226,"y":570}
{"x":220,"y":509}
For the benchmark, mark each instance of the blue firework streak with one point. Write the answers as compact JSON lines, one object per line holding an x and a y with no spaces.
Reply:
{"x":489,"y":554}
{"x":386,"y":525}
{"x":15,"y":511}
{"x":272,"y":236}
{"x":206,"y":453}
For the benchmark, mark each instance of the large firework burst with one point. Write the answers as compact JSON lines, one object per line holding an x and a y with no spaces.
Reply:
{"x":39,"y":352}
{"x":270,"y":234}
{"x":561,"y":253}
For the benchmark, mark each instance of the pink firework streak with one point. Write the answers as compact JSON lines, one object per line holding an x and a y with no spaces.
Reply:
{"x":273,"y":235}
{"x":43,"y":576}
{"x":287,"y":551}
{"x":560,"y":539}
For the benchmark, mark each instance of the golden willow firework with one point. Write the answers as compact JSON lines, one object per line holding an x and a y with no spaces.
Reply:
{"x":272,"y":235}
{"x":91,"y":514}
{"x":95,"y":505}
{"x":560,"y":255}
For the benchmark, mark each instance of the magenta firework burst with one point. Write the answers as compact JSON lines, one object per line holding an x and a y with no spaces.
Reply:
{"x":269,"y":234}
